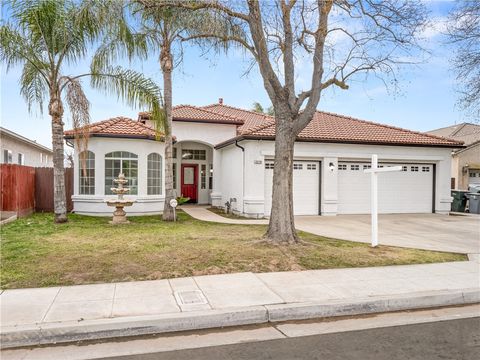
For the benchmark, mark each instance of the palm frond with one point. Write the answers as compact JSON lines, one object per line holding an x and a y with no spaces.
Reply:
{"x":114,"y":49}
{"x":80,"y":109}
{"x":16,"y":49}
{"x":33,"y":86}
{"x":121,"y":38}
{"x":133,"y":88}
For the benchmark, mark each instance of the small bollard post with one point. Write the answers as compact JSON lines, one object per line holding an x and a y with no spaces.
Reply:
{"x":174,"y":204}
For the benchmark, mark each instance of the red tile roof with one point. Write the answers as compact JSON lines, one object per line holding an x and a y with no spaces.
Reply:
{"x":118,"y":126}
{"x":329,"y":127}
{"x":197,"y":114}
{"x":251,"y":118}
{"x":324,"y":127}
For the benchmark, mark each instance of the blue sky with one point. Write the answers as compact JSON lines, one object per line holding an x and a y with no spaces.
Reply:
{"x":426,"y":100}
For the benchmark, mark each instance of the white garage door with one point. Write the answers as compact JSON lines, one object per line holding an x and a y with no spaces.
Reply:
{"x":473,"y":177}
{"x":306,"y":187}
{"x":406,"y":191}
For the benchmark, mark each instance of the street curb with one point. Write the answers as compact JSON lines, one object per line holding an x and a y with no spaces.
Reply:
{"x":304,"y":311}
{"x":54,"y":333}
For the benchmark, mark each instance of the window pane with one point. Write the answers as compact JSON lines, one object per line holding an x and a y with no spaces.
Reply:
{"x":194,"y":154}
{"x":188,"y":175}
{"x":174,"y":175}
{"x":87,"y":173}
{"x":154,"y":174}
{"x":203,"y":176}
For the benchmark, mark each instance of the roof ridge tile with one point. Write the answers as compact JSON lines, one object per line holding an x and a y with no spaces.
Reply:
{"x":240,"y":109}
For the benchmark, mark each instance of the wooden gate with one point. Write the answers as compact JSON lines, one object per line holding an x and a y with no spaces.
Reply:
{"x":44,"y":189}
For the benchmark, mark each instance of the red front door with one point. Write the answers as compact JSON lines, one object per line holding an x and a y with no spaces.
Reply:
{"x":189,"y":181}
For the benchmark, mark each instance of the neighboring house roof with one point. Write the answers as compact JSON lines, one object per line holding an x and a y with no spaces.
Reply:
{"x":23,"y":139}
{"x":466,"y":132}
{"x":471,"y":146}
{"x":251,"y":119}
{"x":115,"y":127}
{"x":329,"y":127}
{"x":192,"y":113}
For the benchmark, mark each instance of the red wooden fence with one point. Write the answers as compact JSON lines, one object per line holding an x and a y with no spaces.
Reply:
{"x":18,"y":188}
{"x":25,"y":189}
{"x":44,"y":186}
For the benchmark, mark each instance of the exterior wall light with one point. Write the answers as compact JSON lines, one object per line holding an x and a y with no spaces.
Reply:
{"x":331,"y":166}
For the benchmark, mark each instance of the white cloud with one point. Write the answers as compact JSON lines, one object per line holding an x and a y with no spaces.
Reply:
{"x":438,"y":25}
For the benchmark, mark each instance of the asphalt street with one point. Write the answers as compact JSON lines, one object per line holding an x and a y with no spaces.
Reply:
{"x":453,"y":339}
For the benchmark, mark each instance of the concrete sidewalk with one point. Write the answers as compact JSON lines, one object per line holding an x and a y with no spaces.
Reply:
{"x":202,"y":213}
{"x":63,"y":314}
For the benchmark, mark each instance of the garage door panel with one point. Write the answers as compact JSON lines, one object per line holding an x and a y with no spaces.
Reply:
{"x":473,"y":177}
{"x":407,"y":191}
{"x":305,"y":187}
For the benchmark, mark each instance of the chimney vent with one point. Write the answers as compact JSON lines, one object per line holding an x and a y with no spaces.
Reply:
{"x":220,"y":101}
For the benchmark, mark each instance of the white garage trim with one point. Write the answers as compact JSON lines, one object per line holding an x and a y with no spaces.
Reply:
{"x":409,"y":191}
{"x":306,"y":187}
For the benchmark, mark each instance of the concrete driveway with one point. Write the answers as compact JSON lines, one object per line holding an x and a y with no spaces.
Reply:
{"x":423,"y":231}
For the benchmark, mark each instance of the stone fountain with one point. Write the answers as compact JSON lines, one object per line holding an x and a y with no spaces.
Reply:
{"x":119,"y":215}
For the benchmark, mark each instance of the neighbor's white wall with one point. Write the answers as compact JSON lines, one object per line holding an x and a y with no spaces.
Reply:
{"x":256,"y":150}
{"x":31,"y":153}
{"x":95,"y":204}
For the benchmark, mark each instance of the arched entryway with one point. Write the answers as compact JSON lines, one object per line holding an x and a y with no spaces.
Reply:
{"x":193,"y":171}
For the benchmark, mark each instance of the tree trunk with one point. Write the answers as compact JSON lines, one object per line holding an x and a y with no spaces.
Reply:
{"x":166,"y":62}
{"x":281,"y":228}
{"x":59,"y":197}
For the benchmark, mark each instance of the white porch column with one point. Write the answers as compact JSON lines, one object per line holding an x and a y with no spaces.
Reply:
{"x":443,"y":198}
{"x":216,"y":194}
{"x":329,"y":186}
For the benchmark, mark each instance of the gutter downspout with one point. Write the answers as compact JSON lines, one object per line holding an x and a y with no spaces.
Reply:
{"x":243,"y":171}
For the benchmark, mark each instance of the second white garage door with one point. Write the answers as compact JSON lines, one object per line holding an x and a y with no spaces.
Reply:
{"x":306,"y":187}
{"x":407,"y":191}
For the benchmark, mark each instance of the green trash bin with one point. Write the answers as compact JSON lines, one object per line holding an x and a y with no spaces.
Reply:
{"x":459,"y":200}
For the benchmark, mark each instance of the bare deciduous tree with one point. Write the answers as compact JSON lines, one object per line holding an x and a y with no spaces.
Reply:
{"x":464,"y":34}
{"x":335,"y":40}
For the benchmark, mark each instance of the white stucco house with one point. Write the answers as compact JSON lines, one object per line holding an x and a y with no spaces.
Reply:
{"x":223,"y":153}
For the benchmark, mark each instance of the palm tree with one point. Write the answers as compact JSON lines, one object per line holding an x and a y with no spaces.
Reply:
{"x":44,"y":36}
{"x":163,"y":30}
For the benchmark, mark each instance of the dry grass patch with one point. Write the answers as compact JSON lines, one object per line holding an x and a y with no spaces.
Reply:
{"x":35,"y":252}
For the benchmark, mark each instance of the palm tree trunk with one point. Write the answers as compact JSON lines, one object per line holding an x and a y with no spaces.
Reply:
{"x":166,"y":62}
{"x":59,"y":196}
{"x":281,"y":228}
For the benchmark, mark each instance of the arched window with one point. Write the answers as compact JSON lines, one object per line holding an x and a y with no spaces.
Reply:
{"x":121,"y":162}
{"x":86,"y":174}
{"x":154,"y":174}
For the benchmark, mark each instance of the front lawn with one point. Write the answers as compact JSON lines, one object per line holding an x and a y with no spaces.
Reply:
{"x":35,"y":252}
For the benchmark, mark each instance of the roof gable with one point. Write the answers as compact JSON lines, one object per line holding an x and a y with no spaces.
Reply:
{"x":190,"y":113}
{"x":251,"y":119}
{"x":115,"y":127}
{"x":466,"y":132}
